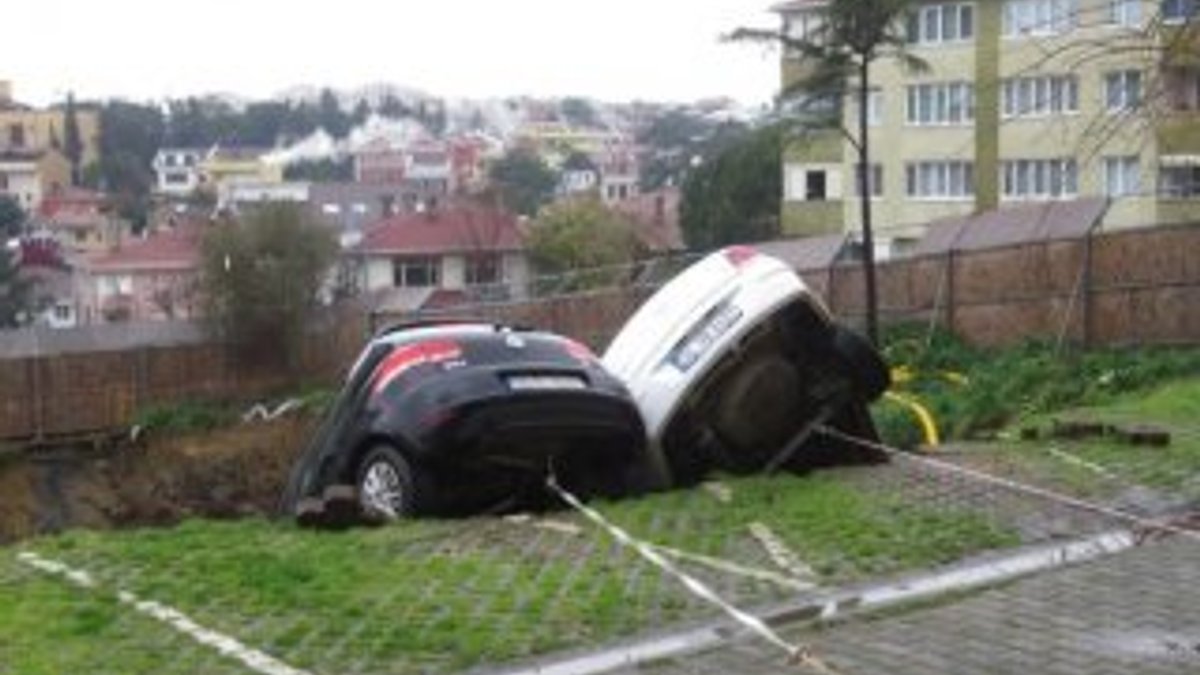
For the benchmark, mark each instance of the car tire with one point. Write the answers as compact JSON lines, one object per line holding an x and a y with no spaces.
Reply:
{"x":388,"y":485}
{"x":861,"y":364}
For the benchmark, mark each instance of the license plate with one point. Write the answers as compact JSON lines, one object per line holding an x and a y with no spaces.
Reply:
{"x":545,"y":383}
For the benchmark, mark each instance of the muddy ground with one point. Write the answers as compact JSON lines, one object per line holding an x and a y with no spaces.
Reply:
{"x":159,"y":480}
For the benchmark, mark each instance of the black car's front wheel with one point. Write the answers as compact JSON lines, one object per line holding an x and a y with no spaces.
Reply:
{"x":388,"y":484}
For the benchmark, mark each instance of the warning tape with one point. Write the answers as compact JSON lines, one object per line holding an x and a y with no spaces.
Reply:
{"x":796,"y":654}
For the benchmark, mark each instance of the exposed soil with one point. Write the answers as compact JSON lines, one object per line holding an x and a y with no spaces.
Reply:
{"x":158,"y":480}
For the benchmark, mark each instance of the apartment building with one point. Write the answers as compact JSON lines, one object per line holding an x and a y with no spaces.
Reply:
{"x":1021,"y":100}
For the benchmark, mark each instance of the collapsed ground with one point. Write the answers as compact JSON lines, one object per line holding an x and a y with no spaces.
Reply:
{"x":443,"y":596}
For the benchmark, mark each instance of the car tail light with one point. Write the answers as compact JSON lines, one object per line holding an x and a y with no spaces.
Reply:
{"x":579,"y":351}
{"x":739,"y":256}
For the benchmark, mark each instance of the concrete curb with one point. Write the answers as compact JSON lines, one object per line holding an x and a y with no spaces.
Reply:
{"x":957,"y":578}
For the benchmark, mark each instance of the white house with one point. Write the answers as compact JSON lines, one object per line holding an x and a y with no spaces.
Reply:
{"x":177,"y":170}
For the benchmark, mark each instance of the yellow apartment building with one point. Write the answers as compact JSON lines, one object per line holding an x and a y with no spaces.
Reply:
{"x":1022,"y":100}
{"x":25,"y":129}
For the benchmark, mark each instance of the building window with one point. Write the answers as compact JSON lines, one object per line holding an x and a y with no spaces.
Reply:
{"x":816,"y":188}
{"x":1179,"y":10}
{"x":874,"y":108}
{"x":416,"y":272}
{"x":62,"y":312}
{"x":1123,"y":90}
{"x":1125,"y":13}
{"x":1180,"y":182}
{"x":941,"y":23}
{"x":1037,"y":179}
{"x":16,"y":135}
{"x":941,"y":104}
{"x":3,"y":182}
{"x":940,"y":180}
{"x":1039,"y":17}
{"x":804,"y":27}
{"x":874,"y":180}
{"x":1122,"y":176}
{"x":483,"y":269}
{"x":1182,"y":88}
{"x":176,"y":178}
{"x":1040,"y":96}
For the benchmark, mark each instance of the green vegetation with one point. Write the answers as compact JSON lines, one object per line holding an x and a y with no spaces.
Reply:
{"x":261,"y":279}
{"x":733,"y":197}
{"x":16,"y":293}
{"x":1009,"y":385}
{"x":523,"y":182}
{"x":1104,"y":464}
{"x":436,"y":596}
{"x":582,"y":234}
{"x":185,"y":418}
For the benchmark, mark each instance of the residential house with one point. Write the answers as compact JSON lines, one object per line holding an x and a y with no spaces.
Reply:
{"x":225,"y":165}
{"x":619,"y":172}
{"x":23,"y":128}
{"x":177,"y":170}
{"x":352,"y":207}
{"x":151,"y":278}
{"x":578,"y":175}
{"x":1023,"y":101}
{"x":41,"y":263}
{"x":422,"y":167}
{"x":418,"y":259}
{"x":29,"y":176}
{"x":243,"y":193}
{"x":380,"y":163}
{"x":82,"y":222}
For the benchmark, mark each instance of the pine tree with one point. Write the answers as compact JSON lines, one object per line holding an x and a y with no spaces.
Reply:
{"x":73,"y":143}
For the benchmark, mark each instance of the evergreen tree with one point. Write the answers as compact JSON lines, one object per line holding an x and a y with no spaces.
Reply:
{"x":73,"y":142}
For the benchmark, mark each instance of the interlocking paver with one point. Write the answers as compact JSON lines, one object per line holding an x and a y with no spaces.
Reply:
{"x":1137,"y":612}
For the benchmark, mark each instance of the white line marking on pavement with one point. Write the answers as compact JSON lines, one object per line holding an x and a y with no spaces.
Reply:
{"x":780,"y":553}
{"x":253,"y":659}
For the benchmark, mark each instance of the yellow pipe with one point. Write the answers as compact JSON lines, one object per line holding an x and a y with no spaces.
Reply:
{"x":924,"y":417}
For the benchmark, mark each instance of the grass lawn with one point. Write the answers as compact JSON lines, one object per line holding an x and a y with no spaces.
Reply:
{"x":444,"y":596}
{"x":1104,"y":466}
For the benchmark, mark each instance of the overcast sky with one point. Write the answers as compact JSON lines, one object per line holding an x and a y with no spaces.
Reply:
{"x":609,"y":49}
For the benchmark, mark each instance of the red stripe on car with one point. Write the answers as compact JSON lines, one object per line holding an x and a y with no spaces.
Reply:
{"x":407,"y":357}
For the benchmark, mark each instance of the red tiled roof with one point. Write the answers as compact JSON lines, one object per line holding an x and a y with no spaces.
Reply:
{"x":73,"y":200}
{"x":176,"y":249}
{"x":457,"y":229}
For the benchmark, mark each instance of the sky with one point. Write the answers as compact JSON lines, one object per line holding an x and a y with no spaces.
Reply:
{"x":616,"y":50}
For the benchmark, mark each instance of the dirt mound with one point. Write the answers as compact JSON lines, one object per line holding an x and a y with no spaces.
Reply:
{"x":158,"y":480}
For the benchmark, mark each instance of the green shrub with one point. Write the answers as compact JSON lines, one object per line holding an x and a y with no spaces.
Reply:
{"x":1006,"y":385}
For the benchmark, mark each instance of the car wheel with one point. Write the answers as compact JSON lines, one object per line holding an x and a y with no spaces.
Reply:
{"x":862,"y":364}
{"x":387,"y":484}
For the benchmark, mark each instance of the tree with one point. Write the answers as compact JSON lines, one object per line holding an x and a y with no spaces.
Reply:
{"x":15,"y":293}
{"x":261,"y":279}
{"x":734,"y":196}
{"x":524,"y":182}
{"x":361,"y":112}
{"x":839,"y":54}
{"x":130,"y":135}
{"x":333,"y":119}
{"x":72,"y":141}
{"x":12,"y":218}
{"x":578,"y":112}
{"x":583,"y":234}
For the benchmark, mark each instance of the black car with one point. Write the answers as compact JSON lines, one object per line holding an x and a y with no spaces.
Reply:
{"x":462,"y":417}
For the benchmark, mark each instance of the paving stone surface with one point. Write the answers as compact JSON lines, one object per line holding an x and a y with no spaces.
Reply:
{"x":1136,"y":612}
